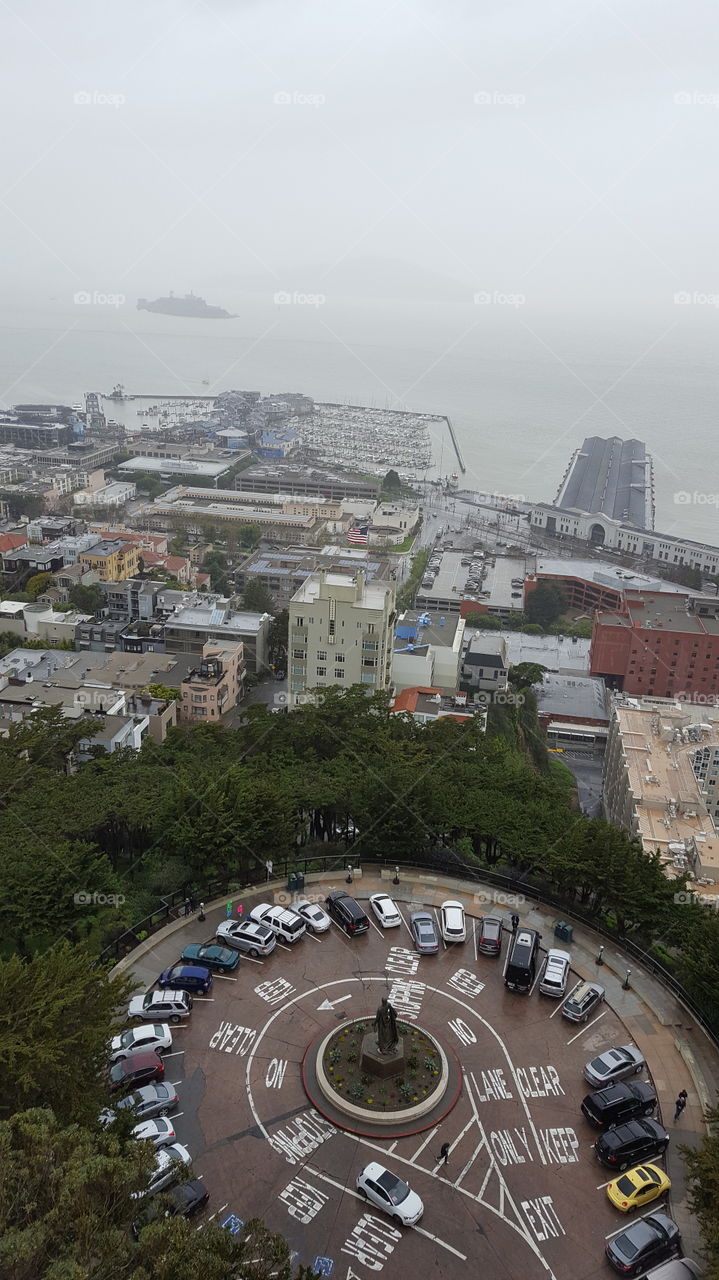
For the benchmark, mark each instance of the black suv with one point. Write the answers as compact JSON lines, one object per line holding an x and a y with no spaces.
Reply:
{"x":628,"y":1144}
{"x":618,"y":1103}
{"x":346,"y":912}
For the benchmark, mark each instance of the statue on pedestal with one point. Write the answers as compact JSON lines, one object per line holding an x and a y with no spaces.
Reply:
{"x":385,"y":1026}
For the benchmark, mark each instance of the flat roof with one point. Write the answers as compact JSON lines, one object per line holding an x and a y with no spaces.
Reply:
{"x":373,"y":594}
{"x":192,"y":616}
{"x":606,"y":574}
{"x":556,"y":653}
{"x":582,"y":696}
{"x":436,"y":633}
{"x":612,"y":476}
{"x":178,"y":466}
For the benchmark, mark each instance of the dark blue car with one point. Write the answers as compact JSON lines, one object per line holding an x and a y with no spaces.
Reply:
{"x":186,"y":977}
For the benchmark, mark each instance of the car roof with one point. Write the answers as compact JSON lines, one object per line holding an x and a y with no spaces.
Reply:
{"x":450,"y":903}
{"x":421,"y":915}
{"x":189,"y":970}
{"x":145,"y":1058}
{"x":555,"y":956}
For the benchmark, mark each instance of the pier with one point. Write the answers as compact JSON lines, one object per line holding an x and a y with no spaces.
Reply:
{"x":457,"y":450}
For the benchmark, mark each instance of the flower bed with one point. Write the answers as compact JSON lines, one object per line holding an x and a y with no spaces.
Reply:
{"x":419,"y":1080}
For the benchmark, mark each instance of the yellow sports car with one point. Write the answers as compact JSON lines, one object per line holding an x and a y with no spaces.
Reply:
{"x":638,"y":1187}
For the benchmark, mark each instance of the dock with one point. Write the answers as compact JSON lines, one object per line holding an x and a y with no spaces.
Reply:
{"x":455,"y":442}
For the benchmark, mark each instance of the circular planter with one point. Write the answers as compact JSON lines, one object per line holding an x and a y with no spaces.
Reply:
{"x":354,"y":1112}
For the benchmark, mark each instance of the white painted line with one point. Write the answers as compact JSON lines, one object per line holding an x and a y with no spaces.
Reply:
{"x":470,"y":1162}
{"x":427,"y":1140}
{"x":439,"y":931}
{"x":559,"y":1005}
{"x":204,"y":999}
{"x":390,"y":1149}
{"x":404,"y":922}
{"x":177,"y":1114}
{"x":474,"y":939}
{"x":349,"y":1192}
{"x":634,"y":1218}
{"x":307,"y":934}
{"x":536,"y":980}
{"x":176,"y":1053}
{"x":174,"y":1084}
{"x":604,"y":1184}
{"x":225,"y":977}
{"x":284,"y":948}
{"x":253,"y":960}
{"x":374,"y":926}
{"x":588,"y":1027}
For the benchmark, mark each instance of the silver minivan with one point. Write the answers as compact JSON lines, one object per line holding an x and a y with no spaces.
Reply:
{"x":555,"y":973}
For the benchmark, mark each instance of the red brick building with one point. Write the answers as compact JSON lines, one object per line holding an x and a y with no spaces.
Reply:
{"x":659,"y":644}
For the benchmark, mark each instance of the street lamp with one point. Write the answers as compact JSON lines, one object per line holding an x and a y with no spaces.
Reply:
{"x":599,"y":959}
{"x":625,"y":984}
{"x":349,"y":874}
{"x":396,"y":876}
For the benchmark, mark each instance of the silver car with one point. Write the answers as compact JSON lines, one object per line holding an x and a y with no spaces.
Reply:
{"x":315,"y":918}
{"x":247,"y":935}
{"x":169,"y":1162}
{"x":614,"y":1064}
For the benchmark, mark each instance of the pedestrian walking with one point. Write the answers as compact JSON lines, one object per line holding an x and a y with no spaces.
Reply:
{"x":187,"y":906}
{"x":228,"y":910}
{"x":269,"y":867}
{"x":515,"y":923}
{"x":680,"y":1104}
{"x":443,"y":1156}
{"x":193,"y":903}
{"x":202,"y":916}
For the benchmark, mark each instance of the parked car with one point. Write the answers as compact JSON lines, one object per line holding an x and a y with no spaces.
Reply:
{"x":169,"y":1163}
{"x":582,"y":1001}
{"x":614,"y":1064}
{"x":452,"y":924}
{"x":211,"y":956}
{"x":385,"y":910}
{"x":159,"y":1131}
{"x":286,"y":925}
{"x":161,"y":1006}
{"x":638,"y":1187}
{"x":248,"y":936}
{"x":156,"y":1036}
{"x":347,"y":912}
{"x":679,"y":1269}
{"x":187,"y":977}
{"x":555,"y":974}
{"x":645,"y":1243}
{"x":626,"y":1144}
{"x":489,"y":941}
{"x":388,"y":1192}
{"x":618,"y":1103}
{"x":424,"y":933}
{"x":151,"y":1100}
{"x":522,"y":963}
{"x":315,"y":918}
{"x":141,"y":1068}
{"x":185,"y":1200}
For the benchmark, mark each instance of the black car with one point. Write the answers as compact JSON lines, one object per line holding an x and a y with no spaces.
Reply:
{"x":186,"y":1200}
{"x":490,"y":935}
{"x":618,"y":1103}
{"x":346,"y":912}
{"x":644,"y":1244}
{"x":628,"y":1144}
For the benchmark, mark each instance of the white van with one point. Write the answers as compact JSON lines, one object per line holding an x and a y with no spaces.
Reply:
{"x":286,"y":925}
{"x":555,"y":973}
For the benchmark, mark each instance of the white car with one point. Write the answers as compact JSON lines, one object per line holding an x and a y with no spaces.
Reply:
{"x":169,"y":1162}
{"x":385,"y":910}
{"x":315,"y":918}
{"x":159,"y":1131}
{"x":156,"y":1036}
{"x":286,"y":925}
{"x":388,"y":1192}
{"x":451,"y":921}
{"x":555,"y":973}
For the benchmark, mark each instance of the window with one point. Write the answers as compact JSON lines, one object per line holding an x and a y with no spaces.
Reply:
{"x":311,"y":621}
{"x":339,"y":673}
{"x":340,"y":657}
{"x":298,"y":653}
{"x":321,"y":655}
{"x":300,"y":622}
{"x":370,"y":628}
{"x":321,"y":671}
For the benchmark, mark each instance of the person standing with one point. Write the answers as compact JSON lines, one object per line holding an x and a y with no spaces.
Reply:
{"x":187,"y":906}
{"x":515,"y":923}
{"x":443,"y":1157}
{"x":228,"y":910}
{"x":680,"y":1104}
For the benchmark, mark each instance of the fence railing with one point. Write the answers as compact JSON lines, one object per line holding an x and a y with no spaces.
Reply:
{"x":444,"y":863}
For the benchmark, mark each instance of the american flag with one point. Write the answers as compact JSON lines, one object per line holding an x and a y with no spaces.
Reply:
{"x":358,"y":535}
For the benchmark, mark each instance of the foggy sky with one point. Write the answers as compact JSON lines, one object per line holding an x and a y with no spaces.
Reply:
{"x":577,"y":179}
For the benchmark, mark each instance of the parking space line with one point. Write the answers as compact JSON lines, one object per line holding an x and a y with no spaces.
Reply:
{"x":588,"y":1027}
{"x":349,"y":1192}
{"x":439,"y":931}
{"x":253,"y":960}
{"x":307,"y":934}
{"x":536,"y":980}
{"x":177,"y":1115}
{"x":176,"y":1053}
{"x":474,"y":939}
{"x":225,"y":978}
{"x":404,"y":922}
{"x":284,"y":948}
{"x":604,"y":1184}
{"x":559,"y":1005}
{"x":204,"y":999}
{"x":374,"y":926}
{"x":623,"y":1227}
{"x":174,"y":1083}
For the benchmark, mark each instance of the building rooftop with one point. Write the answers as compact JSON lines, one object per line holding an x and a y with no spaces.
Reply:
{"x":178,"y":466}
{"x":428,"y":701}
{"x":605,"y":574}
{"x":582,"y":697}
{"x":556,"y":653}
{"x":373,"y":596}
{"x":437,"y":630}
{"x":612,"y":476}
{"x":198,"y":616}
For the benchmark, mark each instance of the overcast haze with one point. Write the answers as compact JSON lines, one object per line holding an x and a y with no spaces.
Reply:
{"x":590,"y":188}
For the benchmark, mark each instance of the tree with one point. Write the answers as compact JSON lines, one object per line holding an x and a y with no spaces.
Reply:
{"x":215,"y":563}
{"x":37,"y":584}
{"x":484,"y":621}
{"x":250,"y":536}
{"x":256,"y":598}
{"x":29,"y":505}
{"x":66,"y":1207}
{"x":392,"y":482}
{"x":164,"y":692}
{"x":702,"y":1164}
{"x":277,"y":639}
{"x":525,"y":674}
{"x":545,"y":603}
{"x":87,"y":599}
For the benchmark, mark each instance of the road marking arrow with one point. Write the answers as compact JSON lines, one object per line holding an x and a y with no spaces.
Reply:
{"x":330,"y":1004}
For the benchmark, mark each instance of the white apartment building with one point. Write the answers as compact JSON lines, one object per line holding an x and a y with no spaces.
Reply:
{"x":341,"y":632}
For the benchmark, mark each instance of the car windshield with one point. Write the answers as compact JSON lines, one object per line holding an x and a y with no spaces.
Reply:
{"x":118,"y":1071}
{"x":395,"y":1188}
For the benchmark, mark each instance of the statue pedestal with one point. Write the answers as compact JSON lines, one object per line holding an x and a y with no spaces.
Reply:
{"x":381,"y":1065}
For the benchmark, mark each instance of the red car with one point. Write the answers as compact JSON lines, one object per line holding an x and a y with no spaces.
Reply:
{"x":141,"y":1068}
{"x":489,"y":941}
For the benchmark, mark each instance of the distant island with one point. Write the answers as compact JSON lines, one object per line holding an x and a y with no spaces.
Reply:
{"x":190,"y":306}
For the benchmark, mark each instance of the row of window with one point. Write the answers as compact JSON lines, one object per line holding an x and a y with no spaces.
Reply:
{"x":369,"y":627}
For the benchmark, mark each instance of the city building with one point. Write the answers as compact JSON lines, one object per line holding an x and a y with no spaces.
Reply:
{"x":429,"y":704}
{"x":192,"y":626}
{"x":662,"y":644}
{"x":283,"y":572}
{"x":50,"y":528}
{"x":33,"y":435}
{"x":340,"y":633}
{"x":573,"y":710}
{"x":275,"y":523}
{"x":391,"y":522}
{"x":466,"y":582}
{"x":62,"y":582}
{"x":113,"y":561}
{"x":294,"y":479}
{"x":661,"y":771}
{"x":277,"y":442}
{"x":178,"y":567}
{"x":215,"y":686}
{"x":142,"y":637}
{"x":485,"y":664}
{"x":132,"y":598}
{"x":114,"y":494}
{"x":176,"y":466}
{"x":592,"y":584}
{"x":613,"y":477}
{"x":427,"y":651}
{"x":655,"y":549}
